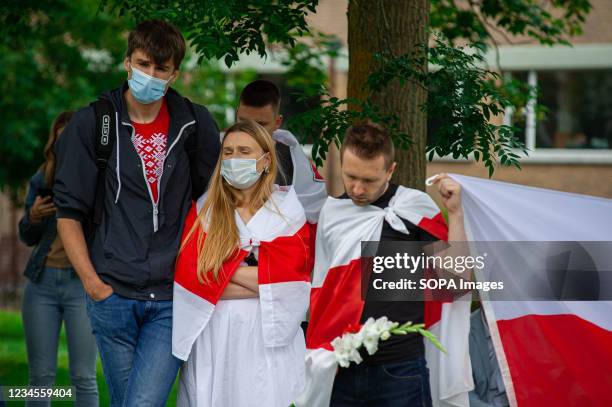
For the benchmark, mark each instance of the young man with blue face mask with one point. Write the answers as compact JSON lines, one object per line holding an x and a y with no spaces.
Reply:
{"x":127,"y":263}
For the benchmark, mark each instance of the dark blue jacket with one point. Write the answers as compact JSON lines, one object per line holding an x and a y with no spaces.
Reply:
{"x":40,"y":235}
{"x":134,"y":248}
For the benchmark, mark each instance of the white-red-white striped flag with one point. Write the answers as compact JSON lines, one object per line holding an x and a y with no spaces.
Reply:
{"x":551,"y":353}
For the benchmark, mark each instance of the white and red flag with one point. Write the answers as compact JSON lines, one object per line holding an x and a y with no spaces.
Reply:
{"x":308,"y":183}
{"x":337,"y":303}
{"x":551,"y":353}
{"x":280,"y":233}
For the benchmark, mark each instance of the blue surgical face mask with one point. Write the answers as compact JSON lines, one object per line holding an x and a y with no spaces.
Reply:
{"x":145,"y":88}
{"x":241,"y":173}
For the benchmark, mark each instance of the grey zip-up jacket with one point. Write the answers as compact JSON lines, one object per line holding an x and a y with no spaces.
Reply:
{"x":135,"y":247}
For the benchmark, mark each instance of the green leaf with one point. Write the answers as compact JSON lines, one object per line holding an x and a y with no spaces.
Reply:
{"x":432,"y":338}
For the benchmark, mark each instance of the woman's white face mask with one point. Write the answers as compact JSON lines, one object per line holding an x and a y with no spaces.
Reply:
{"x":241,"y":173}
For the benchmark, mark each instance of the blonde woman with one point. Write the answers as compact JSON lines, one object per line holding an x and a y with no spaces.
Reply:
{"x":242,"y":282}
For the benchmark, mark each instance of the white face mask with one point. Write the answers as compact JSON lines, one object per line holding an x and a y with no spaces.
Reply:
{"x":241,"y":173}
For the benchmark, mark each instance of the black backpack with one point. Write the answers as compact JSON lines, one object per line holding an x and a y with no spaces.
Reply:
{"x":106,"y":125}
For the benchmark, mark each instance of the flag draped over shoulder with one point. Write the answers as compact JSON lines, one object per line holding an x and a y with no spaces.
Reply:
{"x":551,"y":353}
{"x":307,"y":182}
{"x":309,"y":185}
{"x":337,"y":304}
{"x":280,"y":232}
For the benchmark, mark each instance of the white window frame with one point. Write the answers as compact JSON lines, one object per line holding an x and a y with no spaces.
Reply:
{"x":534,"y":59}
{"x":552,"y":155}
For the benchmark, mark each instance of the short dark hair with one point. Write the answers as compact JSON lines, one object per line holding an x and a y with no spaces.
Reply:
{"x":261,"y":93}
{"x":158,"y":39}
{"x":368,"y":141}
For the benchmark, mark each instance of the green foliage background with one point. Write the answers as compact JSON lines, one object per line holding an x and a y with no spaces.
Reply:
{"x":44,"y":72}
{"x":60,"y":54}
{"x":224,"y":29}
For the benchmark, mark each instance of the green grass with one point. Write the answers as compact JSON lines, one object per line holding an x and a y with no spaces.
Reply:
{"x":14,"y":361}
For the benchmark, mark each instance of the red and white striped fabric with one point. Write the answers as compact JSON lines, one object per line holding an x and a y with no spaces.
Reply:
{"x":551,"y":353}
{"x":336,"y":301}
{"x":308,"y":183}
{"x":280,"y":232}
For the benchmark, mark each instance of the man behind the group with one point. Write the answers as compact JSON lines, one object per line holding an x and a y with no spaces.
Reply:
{"x":127,"y":268}
{"x":396,"y":375}
{"x":260,"y":101}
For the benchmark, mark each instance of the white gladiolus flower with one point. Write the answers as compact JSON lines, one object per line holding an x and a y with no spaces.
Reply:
{"x":346,"y":347}
{"x":382,"y":324}
{"x":357,"y":339}
{"x":341,"y":350}
{"x":370,"y":336}
{"x":355,"y":356}
{"x":371,"y":344}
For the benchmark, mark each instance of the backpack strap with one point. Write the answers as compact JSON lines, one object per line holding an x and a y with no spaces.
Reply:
{"x":191,"y":148}
{"x":105,"y":127}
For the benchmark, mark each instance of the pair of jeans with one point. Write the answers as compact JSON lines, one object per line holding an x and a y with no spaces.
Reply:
{"x":400,"y":384}
{"x":57,"y":296}
{"x":134,"y":339}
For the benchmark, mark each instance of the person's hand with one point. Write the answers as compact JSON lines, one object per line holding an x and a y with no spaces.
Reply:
{"x":41,"y":208}
{"x":450,"y":191}
{"x":99,"y":290}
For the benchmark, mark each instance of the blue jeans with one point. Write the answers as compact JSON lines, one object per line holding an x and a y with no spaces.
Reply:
{"x":58,"y":296}
{"x":401,"y":384}
{"x":135,"y":342}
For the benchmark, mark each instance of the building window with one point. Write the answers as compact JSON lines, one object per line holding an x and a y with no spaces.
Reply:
{"x":579,"y":110}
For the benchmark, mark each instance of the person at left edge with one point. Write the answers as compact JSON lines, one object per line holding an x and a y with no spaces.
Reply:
{"x":127,"y":264}
{"x":53,"y":295}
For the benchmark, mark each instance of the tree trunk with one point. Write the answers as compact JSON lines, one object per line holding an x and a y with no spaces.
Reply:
{"x":396,"y":26}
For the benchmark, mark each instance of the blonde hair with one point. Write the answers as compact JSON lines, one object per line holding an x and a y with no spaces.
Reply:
{"x":217,"y":213}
